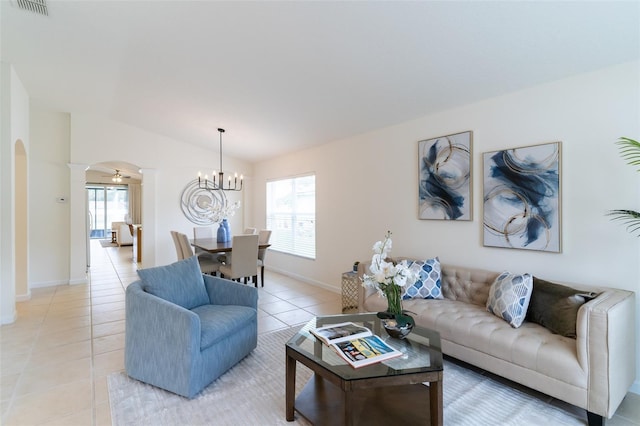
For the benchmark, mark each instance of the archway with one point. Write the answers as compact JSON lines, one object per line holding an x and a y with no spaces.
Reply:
{"x":20,"y":180}
{"x":114,"y":195}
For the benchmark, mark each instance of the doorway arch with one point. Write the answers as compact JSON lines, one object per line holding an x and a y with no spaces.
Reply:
{"x":111,"y":177}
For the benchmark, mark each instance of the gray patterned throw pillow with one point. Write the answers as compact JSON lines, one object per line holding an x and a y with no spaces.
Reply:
{"x":509,"y":297}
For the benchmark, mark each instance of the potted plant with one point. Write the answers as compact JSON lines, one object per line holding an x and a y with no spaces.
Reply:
{"x":389,"y":279}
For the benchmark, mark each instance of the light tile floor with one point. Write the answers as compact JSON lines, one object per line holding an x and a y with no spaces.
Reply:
{"x":55,"y":359}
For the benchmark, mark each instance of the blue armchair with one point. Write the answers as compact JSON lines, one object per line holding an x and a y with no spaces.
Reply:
{"x":185,"y":329}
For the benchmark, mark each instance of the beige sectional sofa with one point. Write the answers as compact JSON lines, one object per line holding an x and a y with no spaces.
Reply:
{"x":594,"y":371}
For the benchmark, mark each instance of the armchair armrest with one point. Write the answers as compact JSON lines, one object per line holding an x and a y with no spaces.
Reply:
{"x":159,"y":336}
{"x":226,"y":292}
{"x":605,"y":347}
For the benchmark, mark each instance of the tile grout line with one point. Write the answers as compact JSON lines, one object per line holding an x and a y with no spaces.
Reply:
{"x":29,"y":356}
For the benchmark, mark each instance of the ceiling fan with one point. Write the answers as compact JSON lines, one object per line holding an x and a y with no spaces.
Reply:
{"x":117,"y":176}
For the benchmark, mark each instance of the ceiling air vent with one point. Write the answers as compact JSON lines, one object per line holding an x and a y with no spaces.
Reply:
{"x":36,"y":6}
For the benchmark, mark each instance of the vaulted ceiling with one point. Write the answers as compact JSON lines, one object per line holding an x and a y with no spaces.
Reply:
{"x":283,"y":76}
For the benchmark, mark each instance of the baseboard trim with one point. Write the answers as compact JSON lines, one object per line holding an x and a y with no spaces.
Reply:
{"x":44,"y":284}
{"x":9,"y":319}
{"x":305,"y":279}
{"x":635,"y":387}
{"x":24,"y":297}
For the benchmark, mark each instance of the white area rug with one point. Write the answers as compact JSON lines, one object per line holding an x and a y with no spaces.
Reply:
{"x":252,"y":393}
{"x":107,"y":243}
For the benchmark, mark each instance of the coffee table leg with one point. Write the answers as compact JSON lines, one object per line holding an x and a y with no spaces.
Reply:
{"x":435,"y":402}
{"x":290,"y":395}
{"x":347,"y":408}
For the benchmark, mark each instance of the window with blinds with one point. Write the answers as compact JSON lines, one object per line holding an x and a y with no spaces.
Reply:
{"x":291,"y":215}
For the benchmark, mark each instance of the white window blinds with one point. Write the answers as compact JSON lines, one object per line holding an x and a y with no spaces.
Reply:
{"x":291,"y":215}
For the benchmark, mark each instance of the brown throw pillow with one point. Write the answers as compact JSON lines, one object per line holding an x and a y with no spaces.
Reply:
{"x":555,"y":306}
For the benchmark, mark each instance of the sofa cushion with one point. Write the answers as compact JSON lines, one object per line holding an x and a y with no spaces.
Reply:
{"x":509,"y":297}
{"x":220,"y":321}
{"x":530,"y":346}
{"x":555,"y":306}
{"x":429,"y":282}
{"x":180,"y":283}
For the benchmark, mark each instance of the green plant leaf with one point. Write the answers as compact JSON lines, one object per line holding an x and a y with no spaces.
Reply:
{"x":630,"y":218}
{"x":629,"y":151}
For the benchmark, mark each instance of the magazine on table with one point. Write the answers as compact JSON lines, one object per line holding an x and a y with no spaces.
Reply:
{"x":355,"y":344}
{"x":365,"y":350}
{"x":336,"y":333}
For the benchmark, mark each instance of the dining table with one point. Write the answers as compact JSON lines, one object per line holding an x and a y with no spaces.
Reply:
{"x":212,"y":245}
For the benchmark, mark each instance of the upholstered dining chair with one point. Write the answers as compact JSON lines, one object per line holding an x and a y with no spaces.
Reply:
{"x":183,"y":249}
{"x":226,"y":257}
{"x":174,"y":236}
{"x":202,"y":232}
{"x":245,"y":255}
{"x":263,"y":238}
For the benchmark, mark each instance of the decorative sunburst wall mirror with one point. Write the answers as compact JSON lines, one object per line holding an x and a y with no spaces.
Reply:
{"x":200,"y":205}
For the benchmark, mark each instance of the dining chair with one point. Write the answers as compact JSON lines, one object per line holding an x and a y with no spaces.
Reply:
{"x":202,"y":232}
{"x":263,"y":238}
{"x":245,"y":255}
{"x":207,"y":264}
{"x":226,"y":257}
{"x":177,"y":244}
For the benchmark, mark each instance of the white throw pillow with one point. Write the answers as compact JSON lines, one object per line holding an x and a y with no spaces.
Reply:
{"x":509,"y":297}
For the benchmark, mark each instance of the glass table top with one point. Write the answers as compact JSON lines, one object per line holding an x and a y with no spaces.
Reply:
{"x":421,"y":349}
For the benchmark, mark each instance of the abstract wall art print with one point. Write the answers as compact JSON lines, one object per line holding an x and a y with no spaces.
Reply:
{"x":521,"y":201}
{"x":444,"y":182}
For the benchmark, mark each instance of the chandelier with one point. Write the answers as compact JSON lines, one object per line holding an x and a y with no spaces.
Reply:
{"x":217,"y":180}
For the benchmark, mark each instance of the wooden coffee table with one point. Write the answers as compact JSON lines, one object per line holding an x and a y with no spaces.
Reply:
{"x":390,"y":392}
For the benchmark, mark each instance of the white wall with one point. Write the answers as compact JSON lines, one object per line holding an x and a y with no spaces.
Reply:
{"x":172,"y":164}
{"x":49,"y":219}
{"x":14,"y":107}
{"x":368,"y":184}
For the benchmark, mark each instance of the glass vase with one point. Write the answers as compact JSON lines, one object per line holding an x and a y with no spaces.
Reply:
{"x":395,"y":320}
{"x":394,"y":299}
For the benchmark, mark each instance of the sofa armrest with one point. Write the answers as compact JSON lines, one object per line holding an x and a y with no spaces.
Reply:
{"x":226,"y":292}
{"x":159,"y":335}
{"x":605,"y":347}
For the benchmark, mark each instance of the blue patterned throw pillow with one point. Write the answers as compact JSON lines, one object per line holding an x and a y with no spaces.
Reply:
{"x":509,"y":297}
{"x":428,"y":284}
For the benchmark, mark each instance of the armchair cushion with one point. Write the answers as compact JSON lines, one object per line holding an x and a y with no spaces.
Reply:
{"x":224,"y":292}
{"x":180,"y":283}
{"x":217,"y":322}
